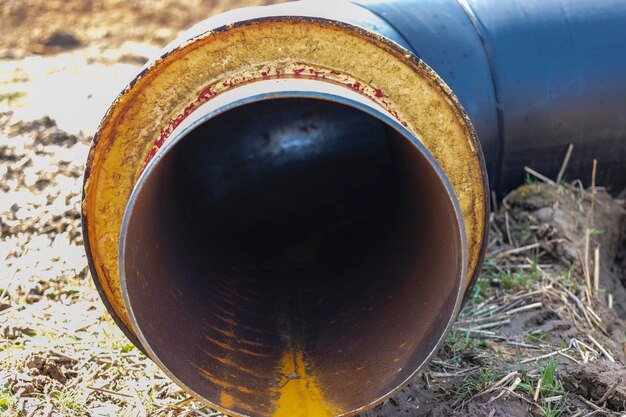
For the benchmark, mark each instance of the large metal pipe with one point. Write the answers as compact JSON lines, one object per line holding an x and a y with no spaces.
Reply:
{"x":533,"y":76}
{"x":286,"y":209}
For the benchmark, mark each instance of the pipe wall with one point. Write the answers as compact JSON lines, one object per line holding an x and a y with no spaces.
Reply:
{"x":533,"y":75}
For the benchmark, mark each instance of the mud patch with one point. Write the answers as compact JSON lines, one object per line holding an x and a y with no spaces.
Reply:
{"x":561,"y":219}
{"x":570,"y":226}
{"x":414,"y":400}
{"x":427,"y":398}
{"x":603,"y":383}
{"x":544,"y":323}
{"x":479,"y":408}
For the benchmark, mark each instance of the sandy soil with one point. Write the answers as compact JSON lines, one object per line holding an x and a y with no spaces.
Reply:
{"x":48,"y":27}
{"x":536,"y":337}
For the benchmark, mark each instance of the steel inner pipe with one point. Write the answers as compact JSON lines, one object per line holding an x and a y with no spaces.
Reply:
{"x":274,"y":265}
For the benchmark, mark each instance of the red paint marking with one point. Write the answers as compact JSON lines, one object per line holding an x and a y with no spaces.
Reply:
{"x":356,"y":86}
{"x":205,"y":95}
{"x":208,"y":93}
{"x":316,"y":74}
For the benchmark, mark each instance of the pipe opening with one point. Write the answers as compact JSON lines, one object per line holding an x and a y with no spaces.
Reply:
{"x":292,"y":244}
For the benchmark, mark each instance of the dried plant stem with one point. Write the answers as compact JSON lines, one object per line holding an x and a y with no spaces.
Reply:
{"x":602,"y":349}
{"x":596,"y":270}
{"x":540,"y":176}
{"x":559,"y":178}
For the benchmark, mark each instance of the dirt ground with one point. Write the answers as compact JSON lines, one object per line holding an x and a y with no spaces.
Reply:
{"x":542,"y":334}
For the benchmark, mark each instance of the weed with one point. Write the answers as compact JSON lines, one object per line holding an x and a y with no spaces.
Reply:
{"x":509,"y":282}
{"x":12,"y":98}
{"x":550,"y":386}
{"x":8,"y":401}
{"x":474,"y":385}
{"x":554,"y":409}
{"x":530,"y":180}
{"x":595,"y":232}
{"x":480,"y":289}
{"x":67,"y":403}
{"x":459,"y":343}
{"x":535,"y":271}
{"x":567,"y":276}
{"x":536,"y":336}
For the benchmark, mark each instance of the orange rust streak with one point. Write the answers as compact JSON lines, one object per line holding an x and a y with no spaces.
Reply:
{"x":220,"y":344}
{"x":251,"y":343}
{"x":224,"y":332}
{"x":252,"y":301}
{"x":230,"y":348}
{"x":256,"y":354}
{"x":224,"y":311}
{"x":252,"y":329}
{"x":225,"y":320}
{"x":249,"y":312}
{"x":228,"y":301}
{"x":222,"y":384}
{"x":225,"y":291}
{"x":230,"y":363}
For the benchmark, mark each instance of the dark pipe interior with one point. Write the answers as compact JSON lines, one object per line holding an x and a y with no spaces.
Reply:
{"x":292,"y":230}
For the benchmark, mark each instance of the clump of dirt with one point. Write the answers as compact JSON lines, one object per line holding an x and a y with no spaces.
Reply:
{"x":569,"y":226}
{"x":561,"y":220}
{"x":43,"y":131}
{"x":61,"y":40}
{"x":602,"y":383}
{"x":11,"y":332}
{"x":40,"y":373}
